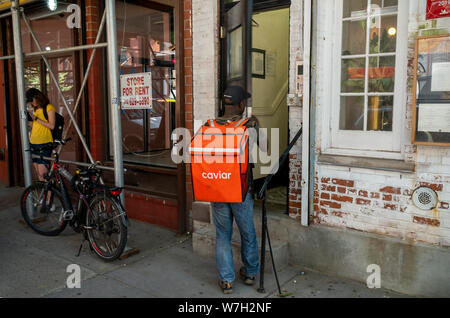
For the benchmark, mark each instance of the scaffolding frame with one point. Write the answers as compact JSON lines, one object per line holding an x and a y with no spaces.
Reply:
{"x":108,"y":19}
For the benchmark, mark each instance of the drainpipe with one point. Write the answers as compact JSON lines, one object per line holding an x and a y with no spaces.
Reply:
{"x":307,"y":13}
{"x":18,"y":55}
{"x":312,"y":131}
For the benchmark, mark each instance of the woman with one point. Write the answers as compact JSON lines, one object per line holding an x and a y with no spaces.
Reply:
{"x":41,"y":132}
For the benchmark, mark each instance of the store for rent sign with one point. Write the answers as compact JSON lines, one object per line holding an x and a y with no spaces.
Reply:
{"x":136,"y":91}
{"x":438,"y":9}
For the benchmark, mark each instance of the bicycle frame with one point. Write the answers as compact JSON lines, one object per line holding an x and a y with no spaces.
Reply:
{"x":54,"y":172}
{"x":95,"y":209}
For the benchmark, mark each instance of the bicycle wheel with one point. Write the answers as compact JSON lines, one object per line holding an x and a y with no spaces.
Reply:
{"x":43,"y":210}
{"x":106,"y":230}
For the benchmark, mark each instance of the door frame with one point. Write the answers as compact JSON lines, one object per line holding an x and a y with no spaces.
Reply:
{"x":246,"y":49}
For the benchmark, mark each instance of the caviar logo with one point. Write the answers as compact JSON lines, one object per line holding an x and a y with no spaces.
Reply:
{"x":216,"y":176}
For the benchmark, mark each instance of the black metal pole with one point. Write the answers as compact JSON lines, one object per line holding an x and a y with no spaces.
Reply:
{"x":273,"y":261}
{"x":263,"y":196}
{"x":263,"y":246}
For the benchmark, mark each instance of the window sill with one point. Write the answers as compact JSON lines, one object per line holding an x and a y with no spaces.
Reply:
{"x":366,"y":163}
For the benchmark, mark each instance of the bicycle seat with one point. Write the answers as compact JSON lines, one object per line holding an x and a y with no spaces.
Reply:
{"x":61,"y":142}
{"x":88,"y":172}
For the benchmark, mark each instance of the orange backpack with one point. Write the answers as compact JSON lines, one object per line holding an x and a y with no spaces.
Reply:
{"x":219,"y":162}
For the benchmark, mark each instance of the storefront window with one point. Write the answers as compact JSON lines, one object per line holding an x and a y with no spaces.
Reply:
{"x":369,"y":38}
{"x":146,"y":44}
{"x":50,"y":28}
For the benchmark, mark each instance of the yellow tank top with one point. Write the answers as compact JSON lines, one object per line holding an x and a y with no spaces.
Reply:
{"x":39,"y":133}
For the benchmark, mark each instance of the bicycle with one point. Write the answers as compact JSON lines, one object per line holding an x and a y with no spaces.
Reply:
{"x":99,"y":214}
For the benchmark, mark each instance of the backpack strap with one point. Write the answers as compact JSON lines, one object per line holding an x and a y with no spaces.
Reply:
{"x":211,"y":123}
{"x":44,"y":110}
{"x":243,"y":121}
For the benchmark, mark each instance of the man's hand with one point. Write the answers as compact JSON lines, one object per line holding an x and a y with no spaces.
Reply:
{"x":33,"y":117}
{"x":254,"y":119}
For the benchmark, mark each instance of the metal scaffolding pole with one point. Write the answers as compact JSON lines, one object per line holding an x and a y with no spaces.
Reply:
{"x":114,"y":87}
{"x":7,"y":57}
{"x":67,"y":49}
{"x":57,"y":51}
{"x":26,"y":155}
{"x":4,"y":15}
{"x":114,"y":93}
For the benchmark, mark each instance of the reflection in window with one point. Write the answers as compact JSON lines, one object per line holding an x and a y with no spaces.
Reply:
{"x":236,"y":63}
{"x":146,"y":44}
{"x":63,"y":69}
{"x":50,"y":28}
{"x":32,"y":75}
{"x":368,"y":64}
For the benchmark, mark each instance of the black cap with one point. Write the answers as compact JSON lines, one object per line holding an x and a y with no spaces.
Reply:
{"x":31,"y":93}
{"x":234,"y":95}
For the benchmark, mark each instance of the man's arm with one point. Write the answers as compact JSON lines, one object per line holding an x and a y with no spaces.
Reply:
{"x":51,"y":120}
{"x":261,"y":138}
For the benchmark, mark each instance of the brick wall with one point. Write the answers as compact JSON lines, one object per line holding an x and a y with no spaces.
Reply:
{"x":295,"y":111}
{"x":379,"y":201}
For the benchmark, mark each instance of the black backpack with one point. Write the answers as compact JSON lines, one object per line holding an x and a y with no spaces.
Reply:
{"x":57,"y":132}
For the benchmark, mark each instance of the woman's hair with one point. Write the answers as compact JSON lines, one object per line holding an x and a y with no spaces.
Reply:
{"x":36,"y":94}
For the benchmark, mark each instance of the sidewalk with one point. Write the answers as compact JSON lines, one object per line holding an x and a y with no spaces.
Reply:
{"x":35,"y":266}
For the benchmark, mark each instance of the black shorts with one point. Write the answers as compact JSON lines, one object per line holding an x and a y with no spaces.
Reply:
{"x":45,"y":153}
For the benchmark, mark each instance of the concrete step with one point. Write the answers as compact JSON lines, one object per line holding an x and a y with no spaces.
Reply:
{"x":204,"y":242}
{"x":275,"y":222}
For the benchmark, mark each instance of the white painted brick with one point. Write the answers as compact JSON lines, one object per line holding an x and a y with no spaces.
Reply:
{"x":432,"y":163}
{"x":428,"y":238}
{"x":205,"y":58}
{"x":445,"y":221}
{"x":445,"y":195}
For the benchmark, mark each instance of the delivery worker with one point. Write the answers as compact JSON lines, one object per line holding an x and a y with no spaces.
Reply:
{"x":41,"y":131}
{"x":223,"y":213}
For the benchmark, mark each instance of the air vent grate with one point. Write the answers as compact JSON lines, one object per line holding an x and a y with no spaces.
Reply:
{"x":425,"y":198}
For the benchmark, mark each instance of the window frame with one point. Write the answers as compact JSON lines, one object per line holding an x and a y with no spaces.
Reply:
{"x":376,"y":144}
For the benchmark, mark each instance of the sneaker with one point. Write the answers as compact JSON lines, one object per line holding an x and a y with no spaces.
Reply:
{"x":226,"y":287}
{"x":248,"y":280}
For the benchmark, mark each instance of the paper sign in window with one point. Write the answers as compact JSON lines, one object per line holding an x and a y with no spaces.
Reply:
{"x":440,"y":77}
{"x":434,"y":118}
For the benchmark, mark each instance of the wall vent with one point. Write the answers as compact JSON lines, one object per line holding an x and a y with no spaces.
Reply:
{"x":425,"y":198}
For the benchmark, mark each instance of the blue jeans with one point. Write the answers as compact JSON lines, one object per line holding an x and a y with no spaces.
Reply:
{"x":223,"y":214}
